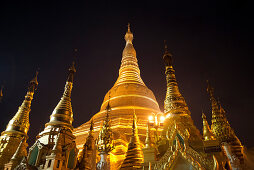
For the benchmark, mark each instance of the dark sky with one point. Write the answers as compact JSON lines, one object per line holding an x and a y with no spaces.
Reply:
{"x":208,"y":39}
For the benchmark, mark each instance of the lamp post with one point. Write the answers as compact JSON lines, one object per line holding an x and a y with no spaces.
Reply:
{"x":156,"y":120}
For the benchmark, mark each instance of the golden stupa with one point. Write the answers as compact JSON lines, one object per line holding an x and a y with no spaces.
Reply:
{"x":128,"y":93}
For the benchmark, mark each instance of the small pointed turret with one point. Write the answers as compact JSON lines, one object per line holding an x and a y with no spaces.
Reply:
{"x":207,"y":133}
{"x":17,"y":128}
{"x":20,"y":122}
{"x":88,"y":153}
{"x":174,"y":102}
{"x":134,"y":157}
{"x":220,"y":126}
{"x":62,"y":115}
{"x":222,"y":129}
{"x":104,"y":142}
{"x":56,"y":141}
{"x":148,"y":141}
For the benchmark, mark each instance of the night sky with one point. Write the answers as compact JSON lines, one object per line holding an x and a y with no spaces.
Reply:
{"x":208,"y":39}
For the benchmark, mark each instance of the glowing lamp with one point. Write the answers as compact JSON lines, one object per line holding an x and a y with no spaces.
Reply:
{"x":150,"y":118}
{"x":162,"y":118}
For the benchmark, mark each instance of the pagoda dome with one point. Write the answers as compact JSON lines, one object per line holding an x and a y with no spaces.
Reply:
{"x":129,"y":94}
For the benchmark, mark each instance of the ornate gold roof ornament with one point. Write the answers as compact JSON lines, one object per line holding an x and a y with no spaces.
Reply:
{"x":207,"y":133}
{"x":62,"y":115}
{"x":104,"y":141}
{"x":222,"y":129}
{"x":174,"y":102}
{"x":134,"y":156}
{"x":87,"y":155}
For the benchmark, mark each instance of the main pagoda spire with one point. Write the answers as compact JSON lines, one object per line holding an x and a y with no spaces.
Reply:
{"x":62,"y":115}
{"x":174,"y":102}
{"x":129,"y":71}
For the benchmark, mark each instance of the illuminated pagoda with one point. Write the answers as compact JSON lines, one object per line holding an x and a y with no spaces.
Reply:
{"x":129,"y":92}
{"x":15,"y":134}
{"x":55,"y":147}
{"x":115,"y":138}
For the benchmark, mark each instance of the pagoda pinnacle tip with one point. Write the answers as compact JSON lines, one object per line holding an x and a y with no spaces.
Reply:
{"x":72,"y":70}
{"x":34,"y":82}
{"x":128,"y":36}
{"x":167,"y":57}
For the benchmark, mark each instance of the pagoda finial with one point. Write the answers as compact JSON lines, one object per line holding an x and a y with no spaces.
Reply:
{"x":207,"y":133}
{"x":128,"y":36}
{"x":167,"y":57}
{"x":129,"y":27}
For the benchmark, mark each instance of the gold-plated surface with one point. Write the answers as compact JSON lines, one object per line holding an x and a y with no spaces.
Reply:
{"x":62,"y":114}
{"x":134,"y":156}
{"x":17,"y":157}
{"x":18,"y":126}
{"x":174,"y":102}
{"x":222,"y":129}
{"x":129,"y":92}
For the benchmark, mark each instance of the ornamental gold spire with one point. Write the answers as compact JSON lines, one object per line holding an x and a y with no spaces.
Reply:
{"x":148,"y":141}
{"x":104,"y":141}
{"x":19,"y":124}
{"x":174,"y":102}
{"x":62,"y":115}
{"x":222,"y":129}
{"x":129,"y":71}
{"x":134,"y":156}
{"x":220,"y":126}
{"x":207,"y":133}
